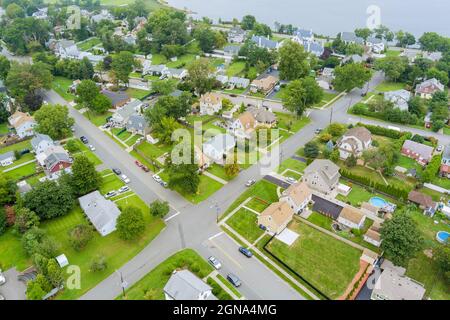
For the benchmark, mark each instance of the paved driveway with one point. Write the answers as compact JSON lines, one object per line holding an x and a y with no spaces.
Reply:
{"x":277,"y":181}
{"x":13,"y":289}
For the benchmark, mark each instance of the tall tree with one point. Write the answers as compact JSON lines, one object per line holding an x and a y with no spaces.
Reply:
{"x":393,"y":67}
{"x":122,"y":65}
{"x":350,"y":76}
{"x":87,"y":90}
{"x":248,"y":22}
{"x":301,"y":94}
{"x":5,"y":65}
{"x":130,"y":223}
{"x":293,"y":61}
{"x":200,"y":76}
{"x":54,"y":121}
{"x":84,"y":177}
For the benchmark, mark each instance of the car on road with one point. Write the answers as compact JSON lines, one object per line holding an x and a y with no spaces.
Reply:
{"x":157,"y":178}
{"x":84,"y":139}
{"x":164,"y":184}
{"x":439,"y":148}
{"x":235,"y":281}
{"x":145,"y":168}
{"x":291,"y":180}
{"x":110,"y":194}
{"x":138,"y":164}
{"x":124,"y":189}
{"x":245,"y":252}
{"x":117,"y":171}
{"x":250,"y":183}
{"x":2,"y":278}
{"x":214,"y":262}
{"x":91,"y":147}
{"x":318,"y":130}
{"x":124,"y":178}
{"x":72,"y":129}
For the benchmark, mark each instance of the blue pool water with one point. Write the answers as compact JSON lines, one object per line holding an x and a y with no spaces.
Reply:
{"x":442,"y":236}
{"x":378,"y":202}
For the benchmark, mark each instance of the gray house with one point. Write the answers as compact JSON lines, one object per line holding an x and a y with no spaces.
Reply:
{"x":41,"y":142}
{"x":399,"y":98}
{"x":264,"y":42}
{"x":322,"y":175}
{"x":184,"y":285}
{"x":7,"y":158}
{"x":236,"y":35}
{"x":351,"y":37}
{"x":137,"y":124}
{"x":101,"y":212}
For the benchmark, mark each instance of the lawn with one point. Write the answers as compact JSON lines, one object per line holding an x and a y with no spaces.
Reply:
{"x":182,"y":61}
{"x":110,"y":183}
{"x":441,"y":182}
{"x":325,"y":262}
{"x":17,"y":146}
{"x":393,"y":53}
{"x":238,"y":91}
{"x":97,"y":119}
{"x":151,"y":286}
{"x":61,"y":85}
{"x":358,"y":195}
{"x":23,"y":171}
{"x":153,"y":151}
{"x":289,"y":122}
{"x":4,"y":128}
{"x":137,"y":93}
{"x":389,"y":86}
{"x":88,"y":44}
{"x":11,"y":252}
{"x":25,"y":158}
{"x":235,"y":68}
{"x":245,"y":223}
{"x":218,"y":171}
{"x":158,"y":59}
{"x":291,"y":164}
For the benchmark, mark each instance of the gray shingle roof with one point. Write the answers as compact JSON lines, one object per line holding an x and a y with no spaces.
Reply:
{"x":54,"y":158}
{"x":136,"y":122}
{"x":6,"y":155}
{"x":184,"y":285}
{"x":423,"y":150}
{"x":264,"y":42}
{"x":351,"y":37}
{"x":39,"y":138}
{"x":116,"y":97}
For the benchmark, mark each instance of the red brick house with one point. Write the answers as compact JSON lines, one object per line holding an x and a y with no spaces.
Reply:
{"x":417,"y":151}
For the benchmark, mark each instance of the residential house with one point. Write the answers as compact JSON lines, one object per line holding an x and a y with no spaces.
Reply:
{"x":23,"y":123}
{"x":351,"y":37}
{"x":427,"y":88}
{"x":118,"y":99}
{"x":428,"y":123}
{"x":373,"y":236}
{"x":263,"y":116}
{"x":93,"y":58}
{"x":276,"y":217}
{"x":179,"y":74}
{"x":41,"y":13}
{"x":222,"y":79}
{"x":399,"y":98}
{"x":66,"y":49}
{"x":355,"y":58}
{"x":354,"y":142}
{"x":103,"y":15}
{"x":314,"y":47}
{"x":210,"y":103}
{"x":444,"y":170}
{"x":184,"y":285}
{"x":122,"y":114}
{"x":219,"y":147}
{"x":306,"y":39}
{"x":7,"y":158}
{"x":236,"y":35}
{"x":376,"y":45}
{"x":102,"y":213}
{"x":55,"y":161}
{"x":264,"y":84}
{"x":417,"y":151}
{"x":130,"y":39}
{"x":411,"y":54}
{"x":41,"y":142}
{"x":201,"y":159}
{"x":154,"y":70}
{"x":433,"y":56}
{"x":238,"y":83}
{"x":303,"y":35}
{"x":322,"y":175}
{"x":351,"y":217}
{"x":231,"y":50}
{"x":137,"y":124}
{"x":298,"y":195}
{"x":266,"y":43}
{"x":424,"y":201}
{"x":244,"y":125}
{"x":393,"y":284}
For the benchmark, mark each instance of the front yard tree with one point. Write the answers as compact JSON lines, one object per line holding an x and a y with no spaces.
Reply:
{"x":401,"y":238}
{"x":301,"y":94}
{"x":25,"y":220}
{"x":101,"y":104}
{"x":184,"y":177}
{"x":165,"y":129}
{"x":393,"y":67}
{"x":293,"y":61}
{"x":8,"y":190}
{"x":5,"y":65}
{"x":232,"y":169}
{"x":49,"y":199}
{"x":311,"y":150}
{"x":130,"y":223}
{"x":363,"y":33}
{"x":54,"y":121}
{"x":200,"y":76}
{"x":54,"y":273}
{"x":87,"y":90}
{"x":248,"y":22}
{"x":159,"y":208}
{"x":206,"y":38}
{"x":163,"y":87}
{"x":122,"y":65}
{"x":84,"y":177}
{"x":350,"y":76}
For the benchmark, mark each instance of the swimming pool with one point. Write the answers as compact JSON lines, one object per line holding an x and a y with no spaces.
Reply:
{"x":442,"y":236}
{"x":378,"y":202}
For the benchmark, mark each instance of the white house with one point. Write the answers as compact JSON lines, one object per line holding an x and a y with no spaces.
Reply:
{"x":122,"y":114}
{"x":373,"y":237}
{"x":137,"y":124}
{"x":399,"y":98}
{"x":244,"y":125}
{"x":184,"y":285}
{"x":7,"y":158}
{"x":236,"y":35}
{"x":376,"y":45}
{"x":154,"y":70}
{"x":103,"y":15}
{"x":354,"y":141}
{"x":322,"y":175}
{"x":179,"y":74}
{"x":298,"y":195}
{"x":41,"y":142}
{"x":66,"y":49}
{"x":351,"y":218}
{"x":219,"y":147}
{"x":210,"y":104}
{"x":23,"y":123}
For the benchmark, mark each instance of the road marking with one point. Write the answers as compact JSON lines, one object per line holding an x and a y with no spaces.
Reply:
{"x":215,"y":236}
{"x":172,"y":216}
{"x":226,"y":254}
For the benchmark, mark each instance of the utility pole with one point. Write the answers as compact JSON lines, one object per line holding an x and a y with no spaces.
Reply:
{"x":123,"y":283}
{"x":331,"y":114}
{"x":216,"y":206}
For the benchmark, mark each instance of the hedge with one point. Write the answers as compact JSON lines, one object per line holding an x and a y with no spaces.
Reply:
{"x":382,"y":131}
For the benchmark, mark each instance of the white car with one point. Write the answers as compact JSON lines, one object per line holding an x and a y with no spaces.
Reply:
{"x":291,"y":180}
{"x":157,"y":178}
{"x":439,"y":148}
{"x":124,"y":189}
{"x":2,"y":278}
{"x":215,"y":263}
{"x":124,"y":178}
{"x":91,"y":147}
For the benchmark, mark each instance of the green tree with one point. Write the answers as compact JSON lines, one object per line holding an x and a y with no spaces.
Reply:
{"x":159,"y":208}
{"x":130,"y":223}
{"x":248,"y":22}
{"x":363,"y":33}
{"x":7,"y":190}
{"x":80,"y":235}
{"x":336,"y":129}
{"x":441,"y":255}
{"x":122,"y":65}
{"x":5,"y":65}
{"x":301,"y":94}
{"x":72,"y":146}
{"x":101,"y":104}
{"x":54,"y":274}
{"x":3,"y":220}
{"x":401,"y":238}
{"x":183,"y":176}
{"x":36,"y":241}
{"x":163,"y":87}
{"x":393,"y":67}
{"x":54,"y":121}
{"x":311,"y":150}
{"x":14,"y":11}
{"x":350,"y":161}
{"x":84,"y":177}
{"x":200,"y":76}
{"x":87,"y":90}
{"x":206,"y":38}
{"x":293,"y":61}
{"x":232,"y":169}
{"x":34,"y":290}
{"x":25,"y":220}
{"x":350,"y":76}
{"x":165,"y":129}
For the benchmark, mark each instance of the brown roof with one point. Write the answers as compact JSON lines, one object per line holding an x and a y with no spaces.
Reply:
{"x":299,"y":192}
{"x":247,"y":120}
{"x":359,"y":132}
{"x":18,"y":118}
{"x":372,"y":234}
{"x":351,"y":214}
{"x":265,"y":83}
{"x":369,"y":207}
{"x":210,"y":98}
{"x":279,"y":211}
{"x":421,"y":199}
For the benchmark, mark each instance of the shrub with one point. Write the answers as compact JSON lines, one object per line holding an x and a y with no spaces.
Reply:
{"x":72,"y":146}
{"x":159,"y":208}
{"x":98,"y":264}
{"x":25,"y":220}
{"x":130,"y":223}
{"x":36,"y":241}
{"x":3,"y":222}
{"x":80,"y":235}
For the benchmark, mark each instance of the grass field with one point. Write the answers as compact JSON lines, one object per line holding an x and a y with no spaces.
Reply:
{"x":23,"y":171}
{"x":288,"y":122}
{"x":137,"y":93}
{"x":61,"y":85}
{"x":87,"y":45}
{"x":358,"y":195}
{"x":182,"y":61}
{"x":327,"y":263}
{"x":245,"y":223}
{"x":4,"y":128}
{"x":218,"y":171}
{"x":235,"y":68}
{"x":151,"y":286}
{"x":291,"y":164}
{"x":16,"y":146}
{"x":97,"y":119}
{"x":389,"y":86}
{"x":153,"y":151}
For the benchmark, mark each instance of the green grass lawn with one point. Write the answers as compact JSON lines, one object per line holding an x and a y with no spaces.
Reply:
{"x":137,"y":93}
{"x":86,"y":45}
{"x":4,"y":128}
{"x":219,"y":171}
{"x":441,"y":182}
{"x":151,"y":286}
{"x":11,"y":252}
{"x":110,"y":183}
{"x":291,"y":164}
{"x":358,"y":195}
{"x":389,"y":86}
{"x":235,"y":68}
{"x":229,"y":285}
{"x":289,"y":122}
{"x":158,"y":59}
{"x":97,"y":119}
{"x":182,"y":61}
{"x":327,"y":263}
{"x":21,"y":172}
{"x":393,"y":53}
{"x":17,"y":146}
{"x":25,"y":158}
{"x":206,"y":189}
{"x":245,"y":223}
{"x":61,"y":85}
{"x":153,"y":151}
{"x":236,"y":91}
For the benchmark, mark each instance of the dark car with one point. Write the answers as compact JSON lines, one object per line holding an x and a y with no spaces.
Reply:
{"x":235,"y":281}
{"x":84,"y":139}
{"x":145,"y":168}
{"x":117,"y":171}
{"x":245,"y":252}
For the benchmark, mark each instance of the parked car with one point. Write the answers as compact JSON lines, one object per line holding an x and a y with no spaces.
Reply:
{"x":291,"y":180}
{"x":164,"y":184}
{"x":2,"y":278}
{"x":117,"y":171}
{"x":439,"y":148}
{"x":245,"y":252}
{"x":215,"y":263}
{"x":84,"y":139}
{"x":72,"y":129}
{"x":124,"y":178}
{"x":235,"y":281}
{"x":250,"y":183}
{"x":91,"y":147}
{"x":145,"y":168}
{"x":110,"y":194}
{"x":157,"y":178}
{"x":138,"y":164}
{"x":123,"y":189}
{"x":318,"y":130}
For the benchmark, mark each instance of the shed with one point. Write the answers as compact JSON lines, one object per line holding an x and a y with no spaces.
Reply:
{"x":62,"y":260}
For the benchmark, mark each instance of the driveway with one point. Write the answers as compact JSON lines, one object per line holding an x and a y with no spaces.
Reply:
{"x":13,"y":289}
{"x":279,"y":182}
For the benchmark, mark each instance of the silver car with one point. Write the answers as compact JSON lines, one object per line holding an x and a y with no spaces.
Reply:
{"x":2,"y":278}
{"x":214,"y":262}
